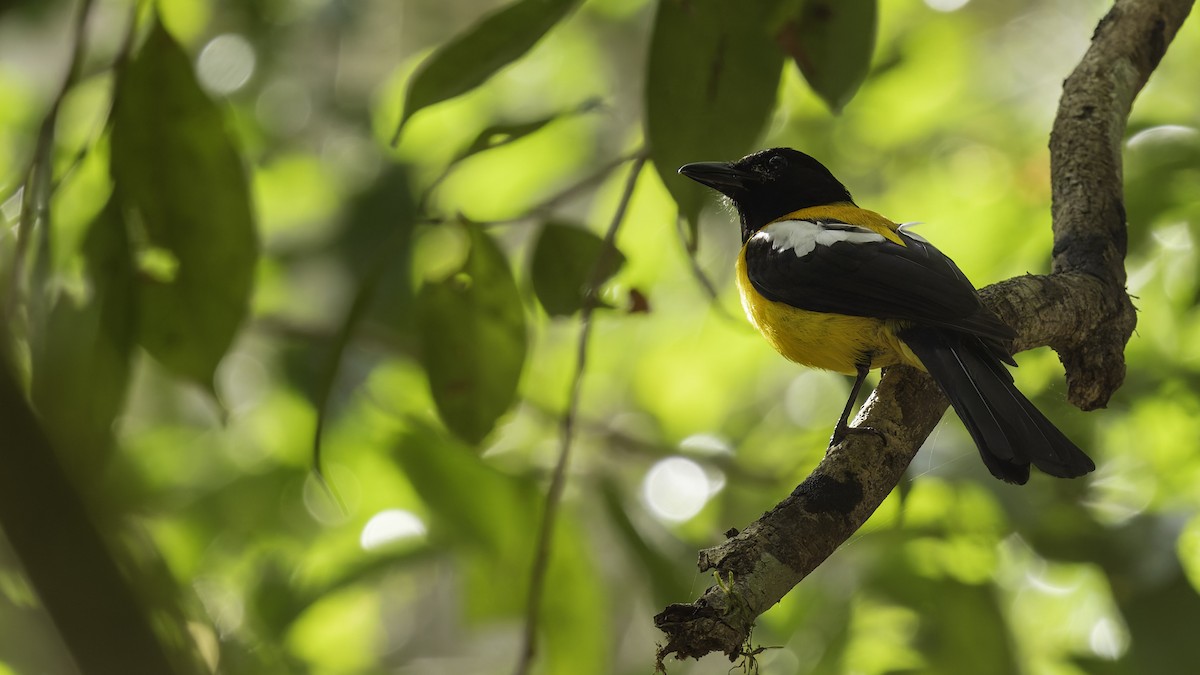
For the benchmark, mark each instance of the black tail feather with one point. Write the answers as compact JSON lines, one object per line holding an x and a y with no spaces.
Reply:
{"x":1010,"y":431}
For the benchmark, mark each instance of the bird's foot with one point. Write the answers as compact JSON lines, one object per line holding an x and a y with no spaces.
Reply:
{"x":843,"y":430}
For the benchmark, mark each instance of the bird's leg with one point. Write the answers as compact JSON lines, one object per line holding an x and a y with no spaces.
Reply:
{"x":843,"y":427}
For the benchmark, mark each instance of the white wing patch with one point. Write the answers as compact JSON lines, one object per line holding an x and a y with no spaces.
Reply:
{"x":802,"y":236}
{"x":906,"y":228}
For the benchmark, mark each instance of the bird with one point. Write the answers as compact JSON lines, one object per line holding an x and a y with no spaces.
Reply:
{"x":837,"y":287}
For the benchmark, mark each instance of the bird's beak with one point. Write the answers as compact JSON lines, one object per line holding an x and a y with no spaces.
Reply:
{"x":723,"y":177}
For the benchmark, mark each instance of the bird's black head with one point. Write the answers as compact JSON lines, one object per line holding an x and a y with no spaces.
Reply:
{"x":769,"y":184}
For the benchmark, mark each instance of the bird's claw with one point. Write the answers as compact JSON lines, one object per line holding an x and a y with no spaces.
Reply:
{"x":842,"y":431}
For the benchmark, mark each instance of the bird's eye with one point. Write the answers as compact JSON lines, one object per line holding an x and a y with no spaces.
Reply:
{"x":778,"y":162}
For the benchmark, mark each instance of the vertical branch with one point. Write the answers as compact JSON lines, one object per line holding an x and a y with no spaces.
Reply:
{"x":1088,"y":206}
{"x":558,"y":480}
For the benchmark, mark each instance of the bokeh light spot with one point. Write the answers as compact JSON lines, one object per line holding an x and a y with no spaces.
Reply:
{"x":705,"y":444}
{"x":332,"y":503}
{"x":284,"y":106}
{"x":946,"y":5}
{"x":675,"y":489}
{"x":225,"y":64}
{"x":390,"y":526}
{"x":1108,"y":639}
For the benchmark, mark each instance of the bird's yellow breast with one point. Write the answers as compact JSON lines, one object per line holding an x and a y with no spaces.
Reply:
{"x":819,"y":340}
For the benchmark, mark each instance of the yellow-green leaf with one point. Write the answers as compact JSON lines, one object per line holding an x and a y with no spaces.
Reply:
{"x":470,"y":58}
{"x":564,"y":261}
{"x":473,"y":341}
{"x":831,"y":42}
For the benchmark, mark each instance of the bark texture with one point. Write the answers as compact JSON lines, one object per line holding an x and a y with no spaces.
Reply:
{"x":1081,"y":310}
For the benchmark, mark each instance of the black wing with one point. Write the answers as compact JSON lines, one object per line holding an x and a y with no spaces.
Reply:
{"x":915,"y":282}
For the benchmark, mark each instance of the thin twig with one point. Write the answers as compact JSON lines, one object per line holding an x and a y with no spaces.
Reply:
{"x":587,"y":182}
{"x":689,"y":248}
{"x":558,"y":480}
{"x":35,"y":200}
{"x":540,"y":212}
{"x":472,"y":150}
{"x":627,"y":444}
{"x":118,"y":62}
{"x":701,"y":277}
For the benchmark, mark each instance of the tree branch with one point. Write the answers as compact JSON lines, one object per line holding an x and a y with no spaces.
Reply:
{"x":99,"y":613}
{"x":1081,"y":310}
{"x":1085,"y":173}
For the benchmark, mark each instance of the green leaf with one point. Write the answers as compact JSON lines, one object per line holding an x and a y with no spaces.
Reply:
{"x":471,"y":504}
{"x":487,"y":517}
{"x":470,"y":58}
{"x":472,"y":334}
{"x":379,"y":231}
{"x":377,"y":244}
{"x":710,"y":88}
{"x":180,"y":178}
{"x":564,"y":261}
{"x":81,"y":367}
{"x":490,"y":517}
{"x":831,"y":42}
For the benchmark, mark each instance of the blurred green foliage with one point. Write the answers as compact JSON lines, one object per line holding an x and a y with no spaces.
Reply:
{"x":220,"y":246}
